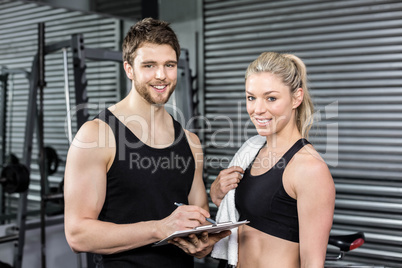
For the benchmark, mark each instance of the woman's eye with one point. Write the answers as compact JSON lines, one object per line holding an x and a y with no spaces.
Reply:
{"x":271,"y":99}
{"x":250,"y":98}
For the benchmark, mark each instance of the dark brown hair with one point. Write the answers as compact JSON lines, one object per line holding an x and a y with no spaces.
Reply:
{"x":149,"y":30}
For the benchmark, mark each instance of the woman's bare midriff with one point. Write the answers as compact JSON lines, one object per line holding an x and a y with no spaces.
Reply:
{"x":260,"y":250}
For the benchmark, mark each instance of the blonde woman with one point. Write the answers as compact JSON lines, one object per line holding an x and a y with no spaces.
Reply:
{"x":287,"y":192}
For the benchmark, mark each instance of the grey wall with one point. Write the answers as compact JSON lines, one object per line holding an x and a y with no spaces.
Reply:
{"x":83,"y":5}
{"x":183,"y":16}
{"x":187,"y":21}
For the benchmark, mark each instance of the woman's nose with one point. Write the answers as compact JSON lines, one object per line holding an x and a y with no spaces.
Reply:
{"x":259,"y":107}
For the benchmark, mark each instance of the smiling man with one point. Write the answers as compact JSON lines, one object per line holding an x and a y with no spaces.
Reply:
{"x":117,"y":209}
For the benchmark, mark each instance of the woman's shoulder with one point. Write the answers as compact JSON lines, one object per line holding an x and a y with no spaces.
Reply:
{"x":308,"y":169}
{"x":309,"y":161}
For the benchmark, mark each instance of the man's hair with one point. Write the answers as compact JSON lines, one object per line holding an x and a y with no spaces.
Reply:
{"x":152,"y":31}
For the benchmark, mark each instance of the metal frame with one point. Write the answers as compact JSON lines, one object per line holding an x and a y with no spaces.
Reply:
{"x":21,"y":214}
{"x":34,"y":121}
{"x":4,"y":75}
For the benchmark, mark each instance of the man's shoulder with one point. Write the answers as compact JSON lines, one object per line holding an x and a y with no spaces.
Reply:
{"x":93,"y":133}
{"x":192,"y":136}
{"x":193,"y":141}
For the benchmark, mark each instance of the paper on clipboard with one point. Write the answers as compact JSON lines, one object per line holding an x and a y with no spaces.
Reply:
{"x":213,"y":228}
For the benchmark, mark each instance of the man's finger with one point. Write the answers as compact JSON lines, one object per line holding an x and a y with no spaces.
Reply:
{"x":219,"y":236}
{"x":194,"y":240}
{"x":204,"y":237}
{"x":197,"y":209}
{"x":181,"y":243}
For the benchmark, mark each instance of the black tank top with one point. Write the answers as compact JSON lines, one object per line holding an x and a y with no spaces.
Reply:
{"x":264,"y":202}
{"x":142,"y":184}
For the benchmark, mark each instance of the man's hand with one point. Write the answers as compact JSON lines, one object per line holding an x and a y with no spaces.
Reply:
{"x":183,"y":218}
{"x":199,"y":246}
{"x":227,"y":180}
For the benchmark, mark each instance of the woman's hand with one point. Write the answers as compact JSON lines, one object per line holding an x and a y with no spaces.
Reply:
{"x":227,"y":180}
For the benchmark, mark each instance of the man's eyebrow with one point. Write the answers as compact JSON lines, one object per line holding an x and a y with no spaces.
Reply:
{"x":154,"y":62}
{"x":148,"y":62}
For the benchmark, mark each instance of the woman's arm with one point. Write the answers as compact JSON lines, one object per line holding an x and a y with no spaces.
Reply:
{"x":315,"y":194}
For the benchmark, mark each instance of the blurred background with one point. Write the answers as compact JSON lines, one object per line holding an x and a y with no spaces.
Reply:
{"x":353,"y":53}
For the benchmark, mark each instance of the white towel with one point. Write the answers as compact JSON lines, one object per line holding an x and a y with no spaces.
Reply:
{"x":227,"y":248}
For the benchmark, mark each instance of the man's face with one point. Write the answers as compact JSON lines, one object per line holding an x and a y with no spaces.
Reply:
{"x":154,"y":72}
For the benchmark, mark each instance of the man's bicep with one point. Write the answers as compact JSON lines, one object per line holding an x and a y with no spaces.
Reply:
{"x":198,"y":195}
{"x":85,"y":175}
{"x":85,"y":183}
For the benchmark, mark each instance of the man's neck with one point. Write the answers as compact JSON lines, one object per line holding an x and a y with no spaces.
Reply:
{"x":134,"y":104}
{"x":150,"y":123}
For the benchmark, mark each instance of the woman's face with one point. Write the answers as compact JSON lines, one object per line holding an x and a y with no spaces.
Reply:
{"x":270,"y":103}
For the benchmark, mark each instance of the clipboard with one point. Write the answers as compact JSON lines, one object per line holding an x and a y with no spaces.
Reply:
{"x":211,"y":229}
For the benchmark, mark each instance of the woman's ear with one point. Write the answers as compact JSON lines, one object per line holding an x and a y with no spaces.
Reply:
{"x":298,"y":97}
{"x":128,"y":69}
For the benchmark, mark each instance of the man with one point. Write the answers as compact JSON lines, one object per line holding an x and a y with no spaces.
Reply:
{"x":127,"y":167}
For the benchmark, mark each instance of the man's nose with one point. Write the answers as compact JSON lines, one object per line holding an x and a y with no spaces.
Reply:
{"x":160,"y":73}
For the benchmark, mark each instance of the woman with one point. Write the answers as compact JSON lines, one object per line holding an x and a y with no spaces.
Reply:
{"x":287,"y":192}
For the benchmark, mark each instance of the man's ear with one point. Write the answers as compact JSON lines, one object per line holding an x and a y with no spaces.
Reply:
{"x":298,"y":97}
{"x":128,"y":69}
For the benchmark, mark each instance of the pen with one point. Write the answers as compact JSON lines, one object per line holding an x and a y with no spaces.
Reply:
{"x":208,"y":219}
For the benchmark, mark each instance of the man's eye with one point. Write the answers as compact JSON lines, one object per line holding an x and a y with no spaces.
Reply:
{"x":148,"y":66}
{"x":170,"y":65}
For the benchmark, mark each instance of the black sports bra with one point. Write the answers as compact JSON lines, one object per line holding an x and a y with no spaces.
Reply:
{"x":264,"y":202}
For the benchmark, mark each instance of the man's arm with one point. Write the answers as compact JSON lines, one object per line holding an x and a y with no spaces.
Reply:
{"x":198,"y":246}
{"x":198,"y":195}
{"x":88,"y":160}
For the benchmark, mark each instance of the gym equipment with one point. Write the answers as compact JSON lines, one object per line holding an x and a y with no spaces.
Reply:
{"x":14,"y":175}
{"x":52,"y":160}
{"x":34,"y":120}
{"x":80,"y":53}
{"x":67,"y":96}
{"x":15,"y":178}
{"x":345,"y":243}
{"x":12,"y":159}
{"x":55,"y":193}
